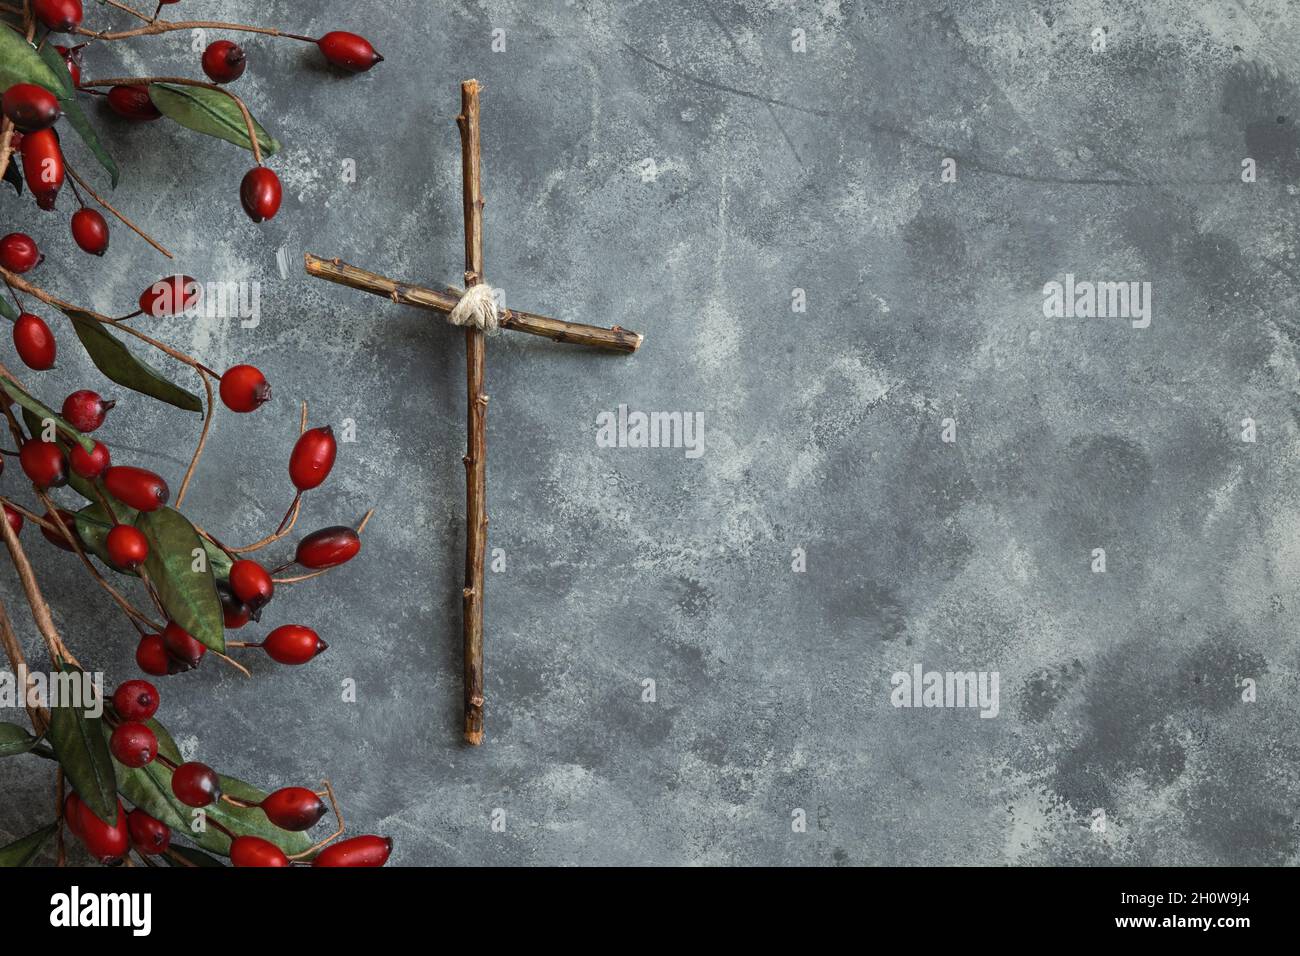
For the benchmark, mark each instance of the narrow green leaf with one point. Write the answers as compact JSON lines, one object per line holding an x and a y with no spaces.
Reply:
{"x":8,"y":311}
{"x":188,"y":596}
{"x":113,"y":359}
{"x":82,"y":749}
{"x":22,"y":852}
{"x":42,"y":412}
{"x":14,"y":739}
{"x":67,"y":95}
{"x":211,"y":112}
{"x":20,"y":63}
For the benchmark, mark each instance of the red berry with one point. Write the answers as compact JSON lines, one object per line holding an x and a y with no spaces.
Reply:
{"x":106,"y":842}
{"x":132,"y":103}
{"x":349,"y":51}
{"x":90,"y":231}
{"x":43,"y":166}
{"x":89,"y":464}
{"x":137,"y":487}
{"x":195,"y":784}
{"x":181,"y":647}
{"x":72,"y":813}
{"x":133,"y":744}
{"x":171,"y":296}
{"x":127,"y":547}
{"x":293,"y":808}
{"x":359,"y":851}
{"x":328,"y":548}
{"x":224,"y":61}
{"x":61,"y":16}
{"x":43,"y":463}
{"x":14,"y":518}
{"x":312,"y":458}
{"x":251,"y":584}
{"x":35,"y":342}
{"x":18,"y":252}
{"x":254,"y":851}
{"x":135,"y":700}
{"x":151,"y":655}
{"x":244,"y":388}
{"x":260,"y":193}
{"x":85,"y":410}
{"x":69,"y":521}
{"x":72,"y":57}
{"x":148,"y":836}
{"x":293,"y":644}
{"x":30,"y":107}
{"x":234,"y":613}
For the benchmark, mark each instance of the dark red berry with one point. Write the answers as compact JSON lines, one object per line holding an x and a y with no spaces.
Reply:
{"x":14,"y":518}
{"x":72,"y":57}
{"x":328,"y":548}
{"x":35,"y":342}
{"x":90,"y":231}
{"x":30,"y":107}
{"x":224,"y":61}
{"x":69,"y":521}
{"x":359,"y":851}
{"x":132,"y":103}
{"x":61,"y":16}
{"x":254,"y":851}
{"x":43,"y":463}
{"x":105,"y":842}
{"x":148,"y":836}
{"x":312,"y":458}
{"x":181,"y":647}
{"x":234,"y":613}
{"x":43,"y":166}
{"x":293,"y":808}
{"x":171,"y":296}
{"x":244,"y":388}
{"x":152,"y":657}
{"x":127,"y":547}
{"x":251,"y":584}
{"x":195,"y":784}
{"x":137,"y":487}
{"x":293,"y":644}
{"x":349,"y":51}
{"x":72,"y":813}
{"x":133,"y":744}
{"x":85,"y":410}
{"x":18,"y":252}
{"x":135,"y":700}
{"x":260,"y":193}
{"x":89,"y":464}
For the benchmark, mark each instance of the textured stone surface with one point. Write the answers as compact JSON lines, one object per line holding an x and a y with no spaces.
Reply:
{"x":775,"y":170}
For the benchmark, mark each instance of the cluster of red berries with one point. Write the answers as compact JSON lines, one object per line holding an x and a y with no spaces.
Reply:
{"x":134,"y":744}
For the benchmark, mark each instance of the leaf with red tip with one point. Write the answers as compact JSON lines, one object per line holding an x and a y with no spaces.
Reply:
{"x":118,"y":364}
{"x":188,"y":596}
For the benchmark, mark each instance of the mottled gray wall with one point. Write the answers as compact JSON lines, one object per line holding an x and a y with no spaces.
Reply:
{"x":776,"y":170}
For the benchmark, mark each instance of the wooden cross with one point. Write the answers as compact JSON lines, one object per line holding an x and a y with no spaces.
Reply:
{"x":616,"y":339}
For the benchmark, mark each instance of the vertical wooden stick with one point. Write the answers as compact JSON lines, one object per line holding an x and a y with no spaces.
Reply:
{"x":476,"y":453}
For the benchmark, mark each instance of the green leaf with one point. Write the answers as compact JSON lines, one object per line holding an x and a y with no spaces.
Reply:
{"x":42,"y":412}
{"x":82,"y":749}
{"x":209,"y":111}
{"x":189,"y":597}
{"x":15,"y":740}
{"x":67,"y":95}
{"x":22,"y":852}
{"x":195,"y":857}
{"x":8,"y":311}
{"x":20,"y":63}
{"x":113,"y":359}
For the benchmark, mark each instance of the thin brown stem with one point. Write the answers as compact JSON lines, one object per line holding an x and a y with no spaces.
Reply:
{"x":203,"y":436}
{"x":39,"y":715}
{"x":131,"y":10}
{"x":164,"y":26}
{"x":290,"y":519}
{"x":6,"y":143}
{"x":338,"y":832}
{"x":126,"y":222}
{"x":59,"y":653}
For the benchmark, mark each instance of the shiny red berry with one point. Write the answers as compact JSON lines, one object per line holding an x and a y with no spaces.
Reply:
{"x":61,"y":16}
{"x":244,"y":388}
{"x":260,"y":193}
{"x":152,"y":657}
{"x":135,"y":700}
{"x":254,"y":851}
{"x":133,"y":744}
{"x":312,"y":458}
{"x":293,"y":808}
{"x":171,"y":296}
{"x":30,"y":107}
{"x":327,"y":548}
{"x":43,"y":463}
{"x":43,"y":166}
{"x":132,"y":103}
{"x":195,"y":784}
{"x":54,"y":537}
{"x":149,"y":836}
{"x":72,"y":57}
{"x":181,"y":647}
{"x":234,"y":612}
{"x":14,"y":518}
{"x":293,"y":644}
{"x":86,"y":410}
{"x":137,"y":487}
{"x":105,"y":842}
{"x":90,"y":231}
{"x":359,"y":851}
{"x":224,"y":62}
{"x":18,"y":252}
{"x":35,"y":342}
{"x":127,"y":547}
{"x":251,"y":584}
{"x":349,"y":51}
{"x":72,"y":812}
{"x":89,"y":464}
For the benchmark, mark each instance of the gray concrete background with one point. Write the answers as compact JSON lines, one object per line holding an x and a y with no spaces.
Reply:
{"x":775,"y":170}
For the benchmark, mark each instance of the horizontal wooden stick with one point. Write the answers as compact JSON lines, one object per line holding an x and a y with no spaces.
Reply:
{"x":616,"y":339}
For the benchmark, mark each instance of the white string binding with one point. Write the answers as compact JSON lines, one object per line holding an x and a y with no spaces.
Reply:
{"x":478,"y":308}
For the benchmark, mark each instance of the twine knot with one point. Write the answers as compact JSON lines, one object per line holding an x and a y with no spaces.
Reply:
{"x":478,"y":308}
